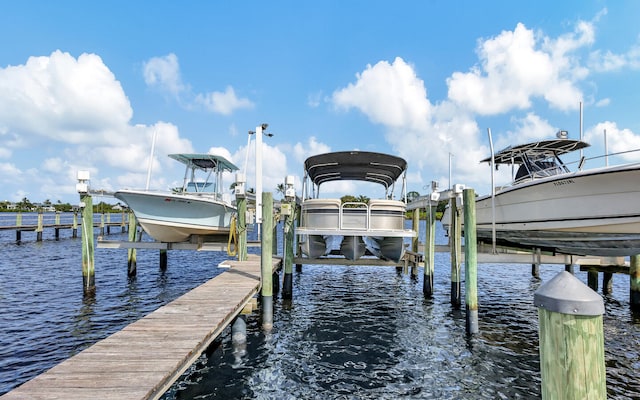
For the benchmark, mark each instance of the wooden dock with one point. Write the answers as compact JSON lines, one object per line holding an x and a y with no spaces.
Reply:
{"x":144,"y":359}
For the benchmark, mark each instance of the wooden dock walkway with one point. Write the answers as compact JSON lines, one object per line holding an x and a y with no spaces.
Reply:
{"x":144,"y":359}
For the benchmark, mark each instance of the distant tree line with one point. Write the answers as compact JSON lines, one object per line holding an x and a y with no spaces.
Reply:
{"x":25,"y":205}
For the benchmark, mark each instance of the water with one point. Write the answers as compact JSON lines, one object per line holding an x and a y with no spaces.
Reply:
{"x":349,"y":333}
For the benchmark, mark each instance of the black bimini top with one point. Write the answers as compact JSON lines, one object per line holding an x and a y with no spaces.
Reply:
{"x":545,"y":148}
{"x":355,"y":165}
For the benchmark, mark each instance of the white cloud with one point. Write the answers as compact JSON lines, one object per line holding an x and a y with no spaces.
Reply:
{"x":389,"y":94}
{"x":164,"y":73}
{"x":622,"y":141}
{"x":607,"y":61}
{"x":224,"y":103}
{"x":302,"y":151}
{"x":64,"y":99}
{"x":517,"y":66}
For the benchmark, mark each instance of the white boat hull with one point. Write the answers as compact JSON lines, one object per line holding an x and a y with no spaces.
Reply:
{"x":171,"y":217}
{"x":593,"y":212}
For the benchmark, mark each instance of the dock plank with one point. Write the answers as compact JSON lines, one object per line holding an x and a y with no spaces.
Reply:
{"x":142,"y":360}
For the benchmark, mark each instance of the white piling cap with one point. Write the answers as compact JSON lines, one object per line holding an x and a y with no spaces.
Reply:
{"x":566,"y":294}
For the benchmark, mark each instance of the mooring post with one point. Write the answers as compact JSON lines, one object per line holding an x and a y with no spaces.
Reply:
{"x":18,"y":225}
{"x":266,"y":261}
{"x":535,"y":265}
{"x":163,"y":260}
{"x":455,"y":243}
{"x":289,"y":234}
{"x":607,"y":283}
{"x":298,"y":245}
{"x":86,"y":203}
{"x":74,"y":231}
{"x":132,"y":252}
{"x":415,"y":241}
{"x":40,"y":227}
{"x":57,"y":223}
{"x":289,"y":211}
{"x":592,"y":280}
{"x":429,"y":250}
{"x":470,"y":260}
{"x":241,"y":201}
{"x":634,"y":282}
{"x":571,"y":339}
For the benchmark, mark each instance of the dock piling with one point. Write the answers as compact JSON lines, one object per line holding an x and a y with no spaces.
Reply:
{"x":132,"y":255}
{"x":634,"y":283}
{"x":266,"y":261}
{"x":571,"y":339}
{"x":88,"y":262}
{"x":430,"y":242}
{"x":40,"y":227}
{"x":289,"y":234}
{"x":455,"y":243}
{"x":470,"y":261}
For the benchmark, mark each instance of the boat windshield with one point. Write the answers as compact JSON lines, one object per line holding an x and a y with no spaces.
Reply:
{"x":539,"y":167}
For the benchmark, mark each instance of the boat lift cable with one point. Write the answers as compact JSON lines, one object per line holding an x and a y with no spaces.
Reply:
{"x":493,"y":196}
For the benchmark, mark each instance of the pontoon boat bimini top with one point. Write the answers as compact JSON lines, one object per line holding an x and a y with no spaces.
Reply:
{"x":355,"y":165}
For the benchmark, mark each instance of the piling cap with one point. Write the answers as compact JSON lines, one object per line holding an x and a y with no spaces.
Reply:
{"x":566,"y":294}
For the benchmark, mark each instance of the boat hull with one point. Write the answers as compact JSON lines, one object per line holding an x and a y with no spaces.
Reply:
{"x":171,"y":217}
{"x":594,"y":212}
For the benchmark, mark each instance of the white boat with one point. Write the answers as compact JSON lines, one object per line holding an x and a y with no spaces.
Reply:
{"x":376,"y":225}
{"x":199,"y":207}
{"x":547,"y":206}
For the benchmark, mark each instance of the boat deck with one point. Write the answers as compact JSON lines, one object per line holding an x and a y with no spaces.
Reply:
{"x":144,"y":359}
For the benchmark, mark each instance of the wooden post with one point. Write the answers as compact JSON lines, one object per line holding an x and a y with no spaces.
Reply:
{"x":88,"y":262}
{"x":289,"y":234}
{"x":297,"y":223}
{"x":592,"y":280}
{"x":108,"y":223}
{"x":18,"y":224}
{"x":242,"y":227}
{"x":102,"y":224}
{"x":470,"y":261}
{"x":535,"y":265}
{"x":454,"y":243}
{"x":163,"y":259}
{"x":571,"y":339}
{"x":132,"y":252}
{"x":429,"y":250}
{"x":415,"y":241}
{"x":634,"y":282}
{"x":74,"y":233}
{"x":266,"y":257}
{"x":40,"y":227}
{"x":607,"y":283}
{"x":568,"y":268}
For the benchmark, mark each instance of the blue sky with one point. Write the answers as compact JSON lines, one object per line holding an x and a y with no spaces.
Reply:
{"x":84,"y":85}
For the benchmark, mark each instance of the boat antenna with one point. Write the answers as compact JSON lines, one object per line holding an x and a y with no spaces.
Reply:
{"x":606,"y":150}
{"x":493,"y":196}
{"x":153,"y":149}
{"x":581,"y":127}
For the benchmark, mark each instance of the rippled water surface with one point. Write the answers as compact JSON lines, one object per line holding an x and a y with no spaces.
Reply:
{"x":349,"y":333}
